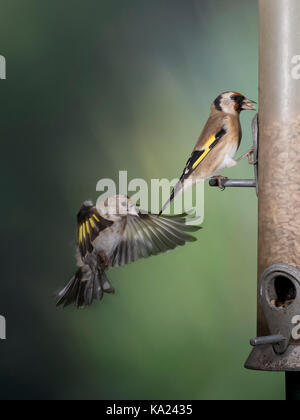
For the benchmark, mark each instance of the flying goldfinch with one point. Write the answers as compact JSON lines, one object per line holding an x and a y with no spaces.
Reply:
{"x":114,"y":234}
{"x":217,"y":144}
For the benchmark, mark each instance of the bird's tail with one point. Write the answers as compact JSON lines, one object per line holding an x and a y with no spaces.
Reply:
{"x":180,"y":187}
{"x":176,"y":190}
{"x":85,"y":286}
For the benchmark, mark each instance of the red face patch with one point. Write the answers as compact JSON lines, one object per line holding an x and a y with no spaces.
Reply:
{"x":237,"y":107}
{"x":237,"y":94}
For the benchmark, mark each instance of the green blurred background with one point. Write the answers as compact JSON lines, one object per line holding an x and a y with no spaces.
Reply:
{"x":96,"y":87}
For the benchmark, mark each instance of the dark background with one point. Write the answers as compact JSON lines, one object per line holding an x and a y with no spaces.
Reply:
{"x":96,"y":87}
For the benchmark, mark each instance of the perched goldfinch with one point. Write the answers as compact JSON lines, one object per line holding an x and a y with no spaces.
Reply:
{"x":115,"y":234}
{"x":217,"y":144}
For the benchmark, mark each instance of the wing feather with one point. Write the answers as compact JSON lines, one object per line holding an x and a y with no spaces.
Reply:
{"x":146,"y":235}
{"x":198,"y":155}
{"x":205,"y":145}
{"x":159,"y":246}
{"x":89,"y":225}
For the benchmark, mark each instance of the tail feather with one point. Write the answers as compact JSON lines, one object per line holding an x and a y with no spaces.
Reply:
{"x":176,"y":190}
{"x":182,"y":185}
{"x":86,"y":285}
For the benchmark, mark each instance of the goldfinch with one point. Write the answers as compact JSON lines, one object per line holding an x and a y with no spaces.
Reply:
{"x":114,"y":234}
{"x":217,"y":144}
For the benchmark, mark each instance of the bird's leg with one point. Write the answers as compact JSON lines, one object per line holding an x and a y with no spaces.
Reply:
{"x":104,"y":260}
{"x":219,"y":179}
{"x":249,"y":155}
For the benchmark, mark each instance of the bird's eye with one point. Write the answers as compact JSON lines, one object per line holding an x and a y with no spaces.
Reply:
{"x":238,"y":98}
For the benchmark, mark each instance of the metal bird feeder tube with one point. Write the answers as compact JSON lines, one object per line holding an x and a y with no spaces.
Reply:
{"x":276,"y":141}
{"x":279,"y":194}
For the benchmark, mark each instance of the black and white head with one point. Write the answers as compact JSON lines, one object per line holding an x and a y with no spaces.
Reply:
{"x":233,"y":103}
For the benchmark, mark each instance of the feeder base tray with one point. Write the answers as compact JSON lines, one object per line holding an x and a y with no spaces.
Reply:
{"x":264,"y":358}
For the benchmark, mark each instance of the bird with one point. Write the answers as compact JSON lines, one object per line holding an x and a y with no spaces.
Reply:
{"x":113,"y":234}
{"x":217,"y":144}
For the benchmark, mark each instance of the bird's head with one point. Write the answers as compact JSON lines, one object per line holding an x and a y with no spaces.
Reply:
{"x":116,"y":206}
{"x":233,"y":103}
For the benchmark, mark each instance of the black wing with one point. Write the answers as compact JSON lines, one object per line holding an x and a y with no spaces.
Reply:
{"x":198,"y":155}
{"x":193,"y":162}
{"x":89,"y":225}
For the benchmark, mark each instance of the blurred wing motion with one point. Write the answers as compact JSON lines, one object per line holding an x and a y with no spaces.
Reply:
{"x":90,"y":224}
{"x":148,"y":234}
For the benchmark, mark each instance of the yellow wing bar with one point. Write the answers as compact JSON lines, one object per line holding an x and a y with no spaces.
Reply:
{"x":206,"y":150}
{"x":90,"y":224}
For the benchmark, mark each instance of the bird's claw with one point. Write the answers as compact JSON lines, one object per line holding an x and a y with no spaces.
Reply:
{"x":249,"y":155}
{"x":104,"y":260}
{"x":219,"y":180}
{"x":251,"y":160}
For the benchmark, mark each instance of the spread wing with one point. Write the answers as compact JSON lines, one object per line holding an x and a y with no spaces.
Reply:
{"x":89,"y":225}
{"x":148,"y":234}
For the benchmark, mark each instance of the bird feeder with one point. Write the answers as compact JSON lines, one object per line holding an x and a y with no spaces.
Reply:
{"x":277,"y":346}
